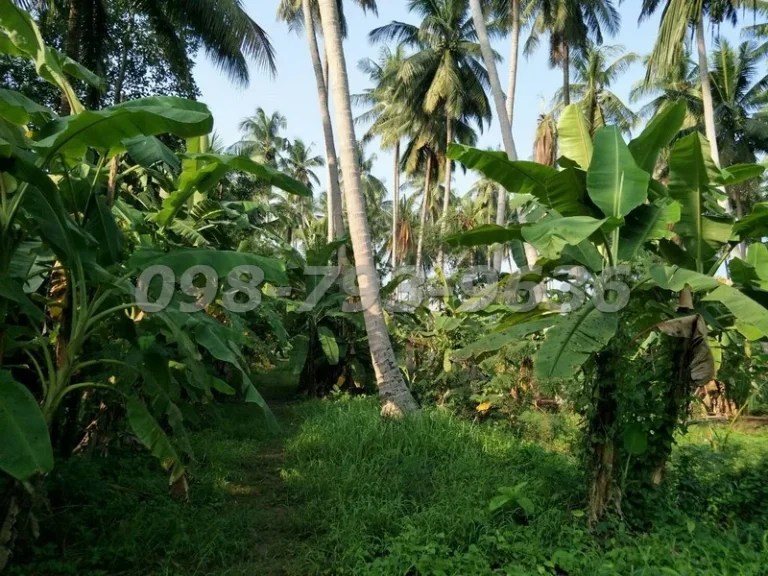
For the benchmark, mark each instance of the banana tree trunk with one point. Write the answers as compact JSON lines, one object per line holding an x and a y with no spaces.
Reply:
{"x":333,"y":193}
{"x":447,"y":193}
{"x":503,"y":112}
{"x":423,"y":217}
{"x":392,"y":389}
{"x":395,"y":205}
{"x":706,"y":97}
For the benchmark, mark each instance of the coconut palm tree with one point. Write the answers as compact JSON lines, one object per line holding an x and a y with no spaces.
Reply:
{"x":299,"y":163}
{"x":594,"y":70}
{"x":740,"y":94}
{"x":304,"y":14}
{"x":758,"y":31}
{"x":485,"y":194}
{"x":262,"y":140}
{"x":445,"y":75}
{"x":391,"y":118}
{"x":570,"y":24}
{"x":427,"y":162}
{"x":423,"y":156}
{"x":378,"y":208}
{"x":678,"y":17}
{"x":682,"y":84}
{"x":397,"y":398}
{"x":509,"y":11}
{"x":502,"y":113}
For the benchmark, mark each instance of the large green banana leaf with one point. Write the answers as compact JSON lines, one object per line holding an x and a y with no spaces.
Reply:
{"x":216,"y":338}
{"x":18,"y":109}
{"x":658,"y":134}
{"x":106,"y":129}
{"x":647,"y":223}
{"x":738,"y":173}
{"x":19,"y":36}
{"x":690,"y":175}
{"x":498,"y":340}
{"x":574,"y":137}
{"x":518,"y":177}
{"x":148,"y":151}
{"x":676,"y":279}
{"x":741,"y":306}
{"x":25,"y":449}
{"x":329,"y":344}
{"x":222,"y":261}
{"x":574,"y":338}
{"x":486,"y":235}
{"x":614,"y":181}
{"x":152,"y":436}
{"x":12,"y":291}
{"x":552,"y":235}
{"x":102,"y":226}
{"x":212,"y":168}
{"x":567,"y":193}
{"x":754,"y":224}
{"x":41,"y":200}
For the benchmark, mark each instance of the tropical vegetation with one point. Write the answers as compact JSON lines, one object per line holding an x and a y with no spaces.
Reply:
{"x":263,"y":356}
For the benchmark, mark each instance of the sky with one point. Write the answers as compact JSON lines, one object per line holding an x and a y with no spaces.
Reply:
{"x":293,"y":92}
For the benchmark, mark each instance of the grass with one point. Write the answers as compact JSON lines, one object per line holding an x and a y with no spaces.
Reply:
{"x":342,"y":492}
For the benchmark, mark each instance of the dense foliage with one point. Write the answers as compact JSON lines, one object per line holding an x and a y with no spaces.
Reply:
{"x":543,"y":342}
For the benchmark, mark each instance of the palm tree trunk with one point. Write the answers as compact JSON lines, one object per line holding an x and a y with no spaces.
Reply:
{"x":333,"y":193}
{"x":325,"y":69}
{"x":706,"y":97}
{"x":71,"y":47}
{"x":498,"y":95}
{"x":395,"y":394}
{"x":423,"y":217}
{"x":503,"y":113}
{"x":119,"y":81}
{"x":395,"y":205}
{"x":122,"y":66}
{"x":447,"y":194}
{"x":566,"y":74}
{"x":514,"y":54}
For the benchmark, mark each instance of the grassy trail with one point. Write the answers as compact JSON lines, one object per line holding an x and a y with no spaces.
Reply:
{"x":338,"y":491}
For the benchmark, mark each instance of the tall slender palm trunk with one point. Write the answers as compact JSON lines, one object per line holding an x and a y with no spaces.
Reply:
{"x":333,"y":193}
{"x":706,"y":97}
{"x":447,"y":193}
{"x":71,"y":47}
{"x":504,"y":113}
{"x":514,"y":56}
{"x":395,"y":204}
{"x":423,"y":217}
{"x":395,"y":394}
{"x":566,"y":74}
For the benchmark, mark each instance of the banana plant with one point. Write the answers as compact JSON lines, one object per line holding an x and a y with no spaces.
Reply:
{"x":66,"y":270}
{"x":328,"y":340}
{"x":631,"y":239}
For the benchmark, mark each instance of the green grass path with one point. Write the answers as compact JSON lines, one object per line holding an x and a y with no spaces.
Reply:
{"x":339,"y":491}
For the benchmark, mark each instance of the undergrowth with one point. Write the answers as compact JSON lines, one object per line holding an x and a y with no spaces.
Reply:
{"x":342,"y":492}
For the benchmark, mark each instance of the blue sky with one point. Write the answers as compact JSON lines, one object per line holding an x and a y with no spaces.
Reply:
{"x":293,"y":91}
